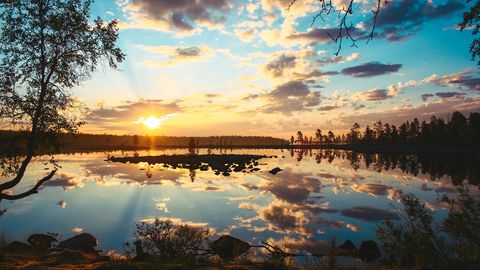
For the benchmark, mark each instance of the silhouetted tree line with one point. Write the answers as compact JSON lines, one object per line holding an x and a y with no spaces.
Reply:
{"x":72,"y":142}
{"x":318,"y":139}
{"x":458,"y":131}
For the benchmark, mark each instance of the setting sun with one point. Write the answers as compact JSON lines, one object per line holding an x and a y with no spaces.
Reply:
{"x":152,"y":122}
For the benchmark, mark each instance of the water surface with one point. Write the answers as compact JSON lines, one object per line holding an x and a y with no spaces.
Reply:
{"x":318,"y":194}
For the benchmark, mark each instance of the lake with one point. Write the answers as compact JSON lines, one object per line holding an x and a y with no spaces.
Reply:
{"x":317,"y":195}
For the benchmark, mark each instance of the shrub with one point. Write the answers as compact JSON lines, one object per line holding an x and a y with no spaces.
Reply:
{"x":416,"y":240}
{"x":167,"y":240}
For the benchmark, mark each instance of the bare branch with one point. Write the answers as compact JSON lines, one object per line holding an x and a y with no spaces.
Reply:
{"x":34,"y":190}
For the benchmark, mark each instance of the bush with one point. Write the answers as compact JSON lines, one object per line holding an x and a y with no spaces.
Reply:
{"x":166,"y":240}
{"x":416,"y":241}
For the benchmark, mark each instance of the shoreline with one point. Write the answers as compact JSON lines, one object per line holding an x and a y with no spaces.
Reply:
{"x":361,"y":148}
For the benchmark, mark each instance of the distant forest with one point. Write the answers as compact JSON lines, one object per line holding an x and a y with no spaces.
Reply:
{"x":458,"y":131}
{"x":81,"y":141}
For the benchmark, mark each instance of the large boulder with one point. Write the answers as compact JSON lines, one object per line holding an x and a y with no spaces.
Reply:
{"x":18,"y":247}
{"x":83,"y":242}
{"x":228,"y":247}
{"x":347,"y":246}
{"x":369,"y":251}
{"x":41,"y":241}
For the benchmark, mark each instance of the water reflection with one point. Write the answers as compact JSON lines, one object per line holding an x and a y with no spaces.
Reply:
{"x":317,"y":194}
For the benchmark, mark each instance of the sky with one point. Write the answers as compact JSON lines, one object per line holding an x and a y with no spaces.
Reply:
{"x":257,"y":67}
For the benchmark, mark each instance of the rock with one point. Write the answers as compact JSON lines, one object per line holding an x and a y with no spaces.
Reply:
{"x":275,"y":170}
{"x":369,"y":251}
{"x":83,"y":242}
{"x":347,"y":246}
{"x":228,"y":247}
{"x":18,"y":247}
{"x":72,"y":256}
{"x":41,"y":241}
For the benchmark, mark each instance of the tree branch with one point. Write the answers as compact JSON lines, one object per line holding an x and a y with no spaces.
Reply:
{"x":34,"y":190}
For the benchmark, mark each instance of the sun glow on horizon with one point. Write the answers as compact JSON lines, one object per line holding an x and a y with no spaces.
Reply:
{"x":153,"y":122}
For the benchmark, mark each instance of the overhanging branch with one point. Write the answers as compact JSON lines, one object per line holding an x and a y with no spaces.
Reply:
{"x":33,"y":190}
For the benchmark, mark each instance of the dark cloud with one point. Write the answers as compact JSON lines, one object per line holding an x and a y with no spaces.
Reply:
{"x":401,"y":19}
{"x":324,"y":222}
{"x":369,"y":214}
{"x":289,"y":97}
{"x":468,"y":82}
{"x":279,"y":64}
{"x":188,"y":52}
{"x":449,"y":94}
{"x":280,"y":217}
{"x":425,"y":97}
{"x":371,"y":69}
{"x":183,"y":15}
{"x":374,"y":95}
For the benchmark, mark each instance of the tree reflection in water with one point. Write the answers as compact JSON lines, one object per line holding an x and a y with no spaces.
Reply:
{"x":458,"y":168}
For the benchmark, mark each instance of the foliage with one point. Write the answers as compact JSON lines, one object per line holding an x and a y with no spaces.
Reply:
{"x":46,"y":48}
{"x":167,"y":240}
{"x":471,"y":20}
{"x":417,"y":241}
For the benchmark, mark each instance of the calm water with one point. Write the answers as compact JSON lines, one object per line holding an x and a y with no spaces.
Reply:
{"x":317,"y":195}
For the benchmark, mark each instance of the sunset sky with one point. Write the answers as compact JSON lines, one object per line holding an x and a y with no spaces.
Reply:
{"x":219,"y":67}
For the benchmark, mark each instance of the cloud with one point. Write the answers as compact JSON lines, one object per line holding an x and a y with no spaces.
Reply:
{"x":130,"y":173}
{"x":277,"y":66}
{"x":66,"y":181}
{"x":369,"y":214}
{"x":468,"y":82}
{"x":371,"y":69}
{"x":398,"y":20}
{"x":315,"y":74}
{"x":175,"y":16}
{"x":293,"y":96}
{"x":299,"y":9}
{"x":178,"y":55}
{"x":62,"y":203}
{"x":300,"y":64}
{"x":425,"y":97}
{"x":114,"y":117}
{"x":373,"y":95}
{"x":322,"y":35}
{"x":372,"y":189}
{"x":282,"y":217}
{"x":464,"y":80}
{"x":449,"y":94}
{"x":290,"y":186}
{"x":77,"y":230}
{"x":246,"y":35}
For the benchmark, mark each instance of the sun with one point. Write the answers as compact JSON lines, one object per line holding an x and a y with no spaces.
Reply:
{"x":152,"y":122}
